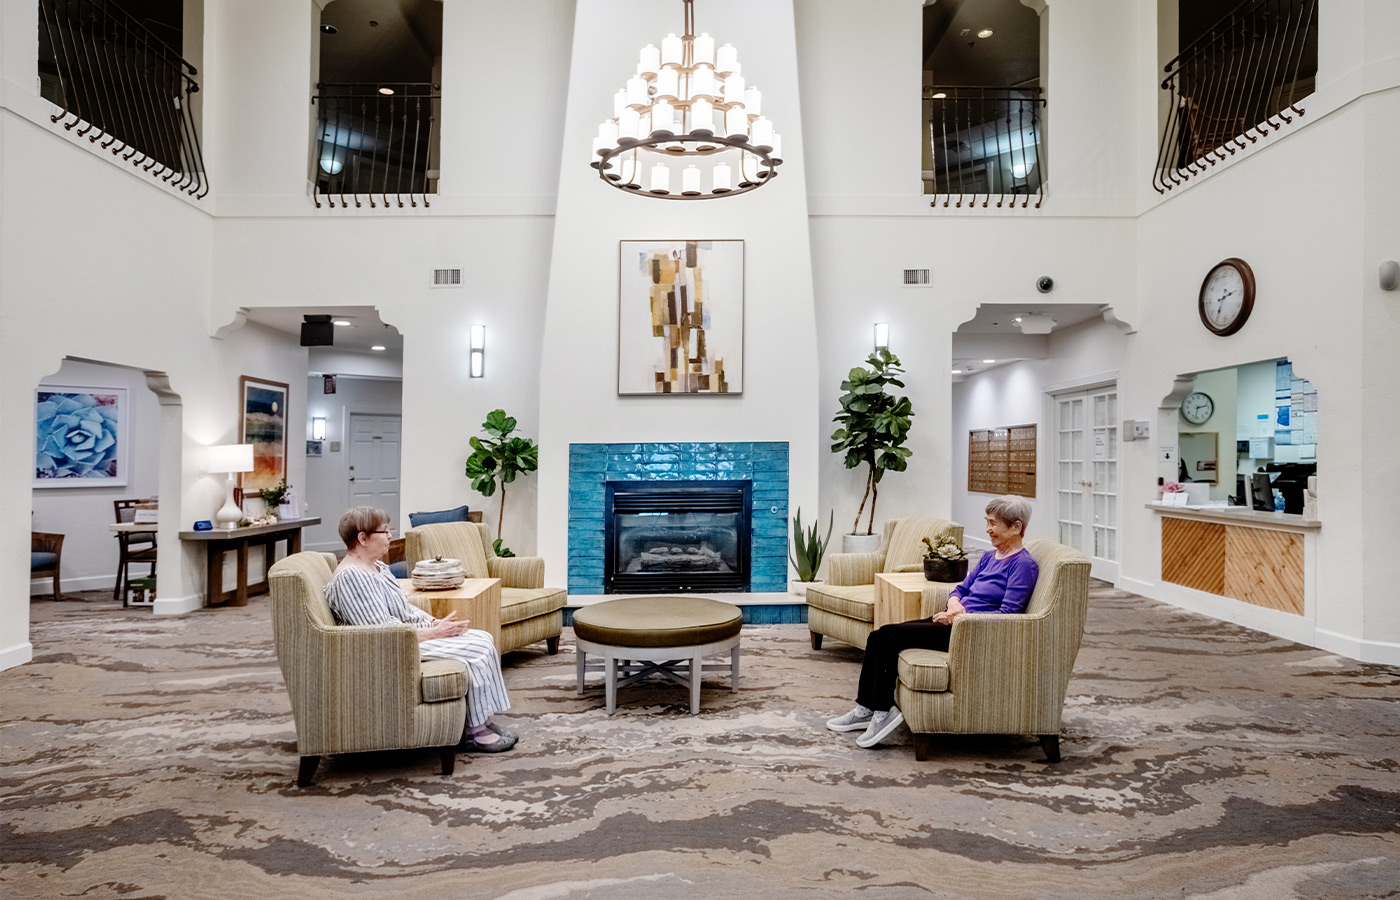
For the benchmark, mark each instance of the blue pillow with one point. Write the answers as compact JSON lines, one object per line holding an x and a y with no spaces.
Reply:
{"x":400,"y":569}
{"x":433,"y":518}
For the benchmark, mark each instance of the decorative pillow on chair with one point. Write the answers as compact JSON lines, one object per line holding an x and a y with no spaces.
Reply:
{"x":434,"y":518}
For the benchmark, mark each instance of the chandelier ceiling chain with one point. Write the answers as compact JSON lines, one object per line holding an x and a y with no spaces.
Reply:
{"x":687,"y":104}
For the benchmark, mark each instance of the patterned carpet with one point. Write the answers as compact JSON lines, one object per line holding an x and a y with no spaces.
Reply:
{"x":149,"y":758}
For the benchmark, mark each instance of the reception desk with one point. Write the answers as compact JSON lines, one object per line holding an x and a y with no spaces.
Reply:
{"x":1261,"y":558}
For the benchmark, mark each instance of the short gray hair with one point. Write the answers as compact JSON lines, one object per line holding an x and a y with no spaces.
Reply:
{"x":1009,"y":510}
{"x":358,"y":521}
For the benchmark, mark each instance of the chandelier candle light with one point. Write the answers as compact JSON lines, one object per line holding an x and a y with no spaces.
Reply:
{"x":687,"y":108}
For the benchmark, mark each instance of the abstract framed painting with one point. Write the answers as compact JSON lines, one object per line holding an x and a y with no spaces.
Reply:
{"x":262,"y":422}
{"x":680,"y":317}
{"x":81,"y":436}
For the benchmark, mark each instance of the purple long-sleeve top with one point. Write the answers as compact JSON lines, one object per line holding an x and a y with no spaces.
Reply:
{"x":999,"y":585}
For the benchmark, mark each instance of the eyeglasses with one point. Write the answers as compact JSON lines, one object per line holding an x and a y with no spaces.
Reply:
{"x":390,"y":533}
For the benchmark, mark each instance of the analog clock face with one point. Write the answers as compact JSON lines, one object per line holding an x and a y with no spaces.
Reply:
{"x":1227,"y":296}
{"x":1197,"y":408}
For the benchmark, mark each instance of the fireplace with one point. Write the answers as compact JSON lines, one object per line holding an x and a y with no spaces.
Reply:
{"x":676,"y":536}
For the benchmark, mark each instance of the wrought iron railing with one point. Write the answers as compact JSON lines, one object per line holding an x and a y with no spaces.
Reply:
{"x":1234,"y":84}
{"x":983,"y":142}
{"x":374,"y":140}
{"x":122,"y":87}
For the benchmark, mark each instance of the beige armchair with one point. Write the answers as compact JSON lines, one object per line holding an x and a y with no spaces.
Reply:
{"x":357,"y":688}
{"x":1002,"y":674}
{"x":844,"y":606}
{"x":530,"y":611}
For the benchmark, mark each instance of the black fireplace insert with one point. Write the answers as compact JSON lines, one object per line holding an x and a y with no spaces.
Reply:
{"x":676,"y":537}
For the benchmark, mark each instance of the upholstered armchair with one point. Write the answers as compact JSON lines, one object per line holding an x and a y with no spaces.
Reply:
{"x":530,"y":611}
{"x":357,"y":688}
{"x":1002,"y":674}
{"x":844,"y":606}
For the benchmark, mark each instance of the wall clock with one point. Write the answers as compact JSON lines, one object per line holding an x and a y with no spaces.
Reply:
{"x":1197,"y":408}
{"x":1227,"y":296}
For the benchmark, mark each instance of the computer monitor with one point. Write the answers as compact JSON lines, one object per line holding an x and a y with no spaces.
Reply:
{"x":1261,"y":492}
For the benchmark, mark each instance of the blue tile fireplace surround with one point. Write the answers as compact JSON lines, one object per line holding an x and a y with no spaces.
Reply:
{"x":765,"y":464}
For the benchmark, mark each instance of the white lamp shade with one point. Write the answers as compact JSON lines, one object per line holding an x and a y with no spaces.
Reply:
{"x":229,"y":458}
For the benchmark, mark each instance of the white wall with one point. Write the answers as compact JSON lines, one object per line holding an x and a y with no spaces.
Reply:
{"x":325,"y":492}
{"x":82,"y":514}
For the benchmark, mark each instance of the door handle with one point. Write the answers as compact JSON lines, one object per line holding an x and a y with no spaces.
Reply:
{"x":352,"y":477}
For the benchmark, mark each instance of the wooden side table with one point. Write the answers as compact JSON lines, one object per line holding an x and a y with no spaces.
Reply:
{"x":477,"y":601}
{"x":899,"y":596}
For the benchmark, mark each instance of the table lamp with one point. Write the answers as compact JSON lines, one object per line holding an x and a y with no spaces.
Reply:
{"x":230,"y":458}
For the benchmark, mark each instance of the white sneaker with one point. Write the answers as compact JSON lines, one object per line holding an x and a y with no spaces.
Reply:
{"x":882,"y":725}
{"x":851,"y":721}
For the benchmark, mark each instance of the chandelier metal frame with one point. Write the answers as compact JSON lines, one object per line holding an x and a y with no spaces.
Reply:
{"x":664,"y":144}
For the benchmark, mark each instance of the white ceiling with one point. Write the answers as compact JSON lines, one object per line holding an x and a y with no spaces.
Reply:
{"x":365,"y":329}
{"x":993,"y":333}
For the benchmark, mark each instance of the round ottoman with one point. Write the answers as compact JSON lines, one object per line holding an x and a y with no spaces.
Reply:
{"x":639,"y":636}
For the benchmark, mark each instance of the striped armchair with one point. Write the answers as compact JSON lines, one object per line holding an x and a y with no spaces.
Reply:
{"x":1003,"y":674}
{"x":844,"y":606}
{"x":357,"y":688}
{"x":530,"y":611}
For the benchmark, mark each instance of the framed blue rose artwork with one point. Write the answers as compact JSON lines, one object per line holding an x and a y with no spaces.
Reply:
{"x":80,"y":436}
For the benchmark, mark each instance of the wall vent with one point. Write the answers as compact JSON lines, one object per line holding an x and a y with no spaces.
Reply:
{"x":918,"y":278}
{"x":447,"y":278}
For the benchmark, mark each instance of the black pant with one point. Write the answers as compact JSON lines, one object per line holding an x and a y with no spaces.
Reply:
{"x":881,"y":667}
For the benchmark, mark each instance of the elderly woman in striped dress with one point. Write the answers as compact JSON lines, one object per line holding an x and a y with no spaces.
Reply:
{"x":364,"y":592}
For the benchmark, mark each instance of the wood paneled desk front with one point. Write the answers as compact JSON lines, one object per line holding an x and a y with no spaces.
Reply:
{"x":222,"y":540}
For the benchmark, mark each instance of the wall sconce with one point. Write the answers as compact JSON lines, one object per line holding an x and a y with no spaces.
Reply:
{"x":318,"y":428}
{"x":478,"y":357}
{"x":882,"y":336}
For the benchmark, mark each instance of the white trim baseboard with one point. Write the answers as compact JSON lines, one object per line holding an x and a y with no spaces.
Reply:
{"x":176,"y":606}
{"x":1386,"y":653}
{"x":85,"y":583}
{"x":16,"y":655}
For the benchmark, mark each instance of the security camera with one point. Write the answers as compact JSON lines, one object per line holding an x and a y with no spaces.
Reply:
{"x":1044,"y":284}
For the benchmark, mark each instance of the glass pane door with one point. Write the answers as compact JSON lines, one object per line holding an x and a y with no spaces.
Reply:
{"x":1086,"y":489}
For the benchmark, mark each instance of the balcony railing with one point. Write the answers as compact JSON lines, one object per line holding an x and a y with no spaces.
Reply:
{"x":125,"y":90}
{"x":983,"y":142}
{"x":374,"y":141}
{"x":1236,"y":83}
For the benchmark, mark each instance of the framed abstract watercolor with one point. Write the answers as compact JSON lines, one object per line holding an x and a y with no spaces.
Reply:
{"x":680,"y":317}
{"x":262,"y":422}
{"x":81,"y":436}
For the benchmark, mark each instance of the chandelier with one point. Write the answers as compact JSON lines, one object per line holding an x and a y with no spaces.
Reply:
{"x":687,"y":126}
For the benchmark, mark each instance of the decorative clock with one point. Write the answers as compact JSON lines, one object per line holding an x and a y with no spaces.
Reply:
{"x":1227,"y":296}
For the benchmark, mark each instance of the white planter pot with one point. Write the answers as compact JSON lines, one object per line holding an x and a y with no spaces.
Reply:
{"x":860,"y":543}
{"x":799,"y":588}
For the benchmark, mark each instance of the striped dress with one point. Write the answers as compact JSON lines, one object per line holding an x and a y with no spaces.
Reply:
{"x":357,"y":597}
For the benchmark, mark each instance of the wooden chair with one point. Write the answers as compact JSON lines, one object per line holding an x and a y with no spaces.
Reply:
{"x":45,"y":558}
{"x":136,"y":547}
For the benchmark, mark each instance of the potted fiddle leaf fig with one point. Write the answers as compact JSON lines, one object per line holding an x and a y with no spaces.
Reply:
{"x":496,"y":460}
{"x":807,"y":552}
{"x":873,"y":426}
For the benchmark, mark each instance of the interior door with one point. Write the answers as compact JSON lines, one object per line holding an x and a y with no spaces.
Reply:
{"x":375,"y":451}
{"x":1086,"y":466}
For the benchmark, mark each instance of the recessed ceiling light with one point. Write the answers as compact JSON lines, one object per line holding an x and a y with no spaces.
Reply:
{"x":341,"y":322}
{"x":386,"y":90}
{"x":988,"y":362}
{"x":1017,"y":320}
{"x":939,"y":96}
{"x":957,"y":371}
{"x":985,"y":33}
{"x":377,"y":347}
{"x":329,"y":29}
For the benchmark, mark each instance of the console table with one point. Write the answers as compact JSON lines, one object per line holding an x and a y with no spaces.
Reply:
{"x":223,"y":540}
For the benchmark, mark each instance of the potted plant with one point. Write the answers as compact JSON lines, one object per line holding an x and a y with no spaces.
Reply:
{"x":498,"y":459}
{"x":944,"y":560}
{"x":807,"y":552}
{"x":273,"y":498}
{"x":873,"y":427}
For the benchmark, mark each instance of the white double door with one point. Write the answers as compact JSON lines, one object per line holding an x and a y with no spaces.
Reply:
{"x":1086,"y":476}
{"x":375,"y":455}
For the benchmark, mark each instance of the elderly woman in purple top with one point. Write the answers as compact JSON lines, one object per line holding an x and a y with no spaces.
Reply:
{"x":1001,"y":582}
